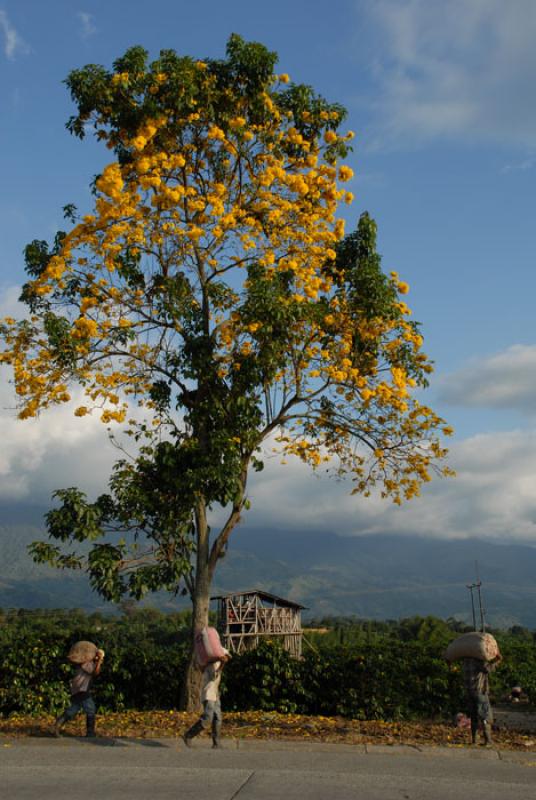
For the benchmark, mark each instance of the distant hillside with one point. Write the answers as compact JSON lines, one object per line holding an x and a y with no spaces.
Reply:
{"x":382,"y":577}
{"x":385,"y":576}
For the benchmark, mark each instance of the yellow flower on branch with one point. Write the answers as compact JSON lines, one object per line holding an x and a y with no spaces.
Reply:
{"x":84,"y":328}
{"x":345,"y":173}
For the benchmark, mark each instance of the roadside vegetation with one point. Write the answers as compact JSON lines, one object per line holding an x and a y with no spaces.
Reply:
{"x":352,"y":670}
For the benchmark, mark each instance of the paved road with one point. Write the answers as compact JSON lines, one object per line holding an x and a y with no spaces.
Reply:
{"x":41,"y":769}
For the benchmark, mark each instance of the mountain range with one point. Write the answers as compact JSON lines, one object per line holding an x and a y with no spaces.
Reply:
{"x":373,"y":577}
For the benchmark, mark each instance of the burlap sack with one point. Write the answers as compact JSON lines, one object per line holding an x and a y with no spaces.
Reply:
{"x":472,"y":645}
{"x":82,"y":652}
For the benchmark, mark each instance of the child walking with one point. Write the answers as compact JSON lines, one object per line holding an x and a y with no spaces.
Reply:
{"x":81,"y":698}
{"x":210,"y":697}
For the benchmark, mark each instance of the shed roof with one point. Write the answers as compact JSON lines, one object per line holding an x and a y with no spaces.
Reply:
{"x":263,"y":595}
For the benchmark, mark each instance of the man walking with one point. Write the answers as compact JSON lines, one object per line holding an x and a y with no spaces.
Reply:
{"x":210,"y":696}
{"x":476,"y":680}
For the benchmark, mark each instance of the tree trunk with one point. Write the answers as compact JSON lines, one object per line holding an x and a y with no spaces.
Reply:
{"x":191,"y":687}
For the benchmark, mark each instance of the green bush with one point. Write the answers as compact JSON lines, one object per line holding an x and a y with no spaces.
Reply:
{"x":384,"y":681}
{"x":267,"y":679}
{"x":145,"y":660}
{"x":362,"y":671}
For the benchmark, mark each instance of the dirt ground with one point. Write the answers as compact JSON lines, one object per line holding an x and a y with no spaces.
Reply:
{"x":515,"y":730}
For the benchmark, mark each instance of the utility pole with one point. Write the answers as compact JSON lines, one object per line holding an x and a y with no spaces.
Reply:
{"x":471,"y":586}
{"x":478,"y":586}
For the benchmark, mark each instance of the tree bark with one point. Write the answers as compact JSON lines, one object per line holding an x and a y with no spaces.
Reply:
{"x":191,"y":687}
{"x":206,"y":561}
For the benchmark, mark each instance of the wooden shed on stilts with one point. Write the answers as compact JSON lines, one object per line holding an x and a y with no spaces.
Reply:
{"x":245,"y":618}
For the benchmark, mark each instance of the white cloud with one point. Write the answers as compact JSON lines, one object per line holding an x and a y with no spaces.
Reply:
{"x":9,"y":302}
{"x":13,"y":42}
{"x":503,"y":380}
{"x":455,"y":69}
{"x":88,"y":25}
{"x":50,"y":452}
{"x":492,"y":496}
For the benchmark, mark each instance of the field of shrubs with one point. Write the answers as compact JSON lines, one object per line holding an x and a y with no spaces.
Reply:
{"x":350,"y":668}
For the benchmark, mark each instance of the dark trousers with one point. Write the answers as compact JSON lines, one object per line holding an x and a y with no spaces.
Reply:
{"x":481,"y":714}
{"x":82,"y":701}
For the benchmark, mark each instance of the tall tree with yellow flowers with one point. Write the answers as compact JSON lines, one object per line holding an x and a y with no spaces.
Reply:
{"x":212,"y":286}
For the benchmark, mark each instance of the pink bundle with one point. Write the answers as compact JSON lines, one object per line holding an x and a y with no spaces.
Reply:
{"x":208,"y":647}
{"x":462,"y":721}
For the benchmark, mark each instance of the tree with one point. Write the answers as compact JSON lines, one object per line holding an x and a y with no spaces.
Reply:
{"x":212,"y":287}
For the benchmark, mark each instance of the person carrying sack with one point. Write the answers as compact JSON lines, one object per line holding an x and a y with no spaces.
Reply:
{"x":476,"y":680}
{"x":210,"y":697}
{"x":81,"y":697}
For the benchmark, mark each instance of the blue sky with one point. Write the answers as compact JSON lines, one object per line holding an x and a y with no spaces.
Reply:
{"x":440,"y":94}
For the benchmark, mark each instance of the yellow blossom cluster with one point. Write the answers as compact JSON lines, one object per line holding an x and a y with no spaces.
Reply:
{"x":199,"y":203}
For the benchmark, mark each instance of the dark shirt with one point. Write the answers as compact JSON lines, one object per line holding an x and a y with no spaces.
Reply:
{"x":476,"y":675}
